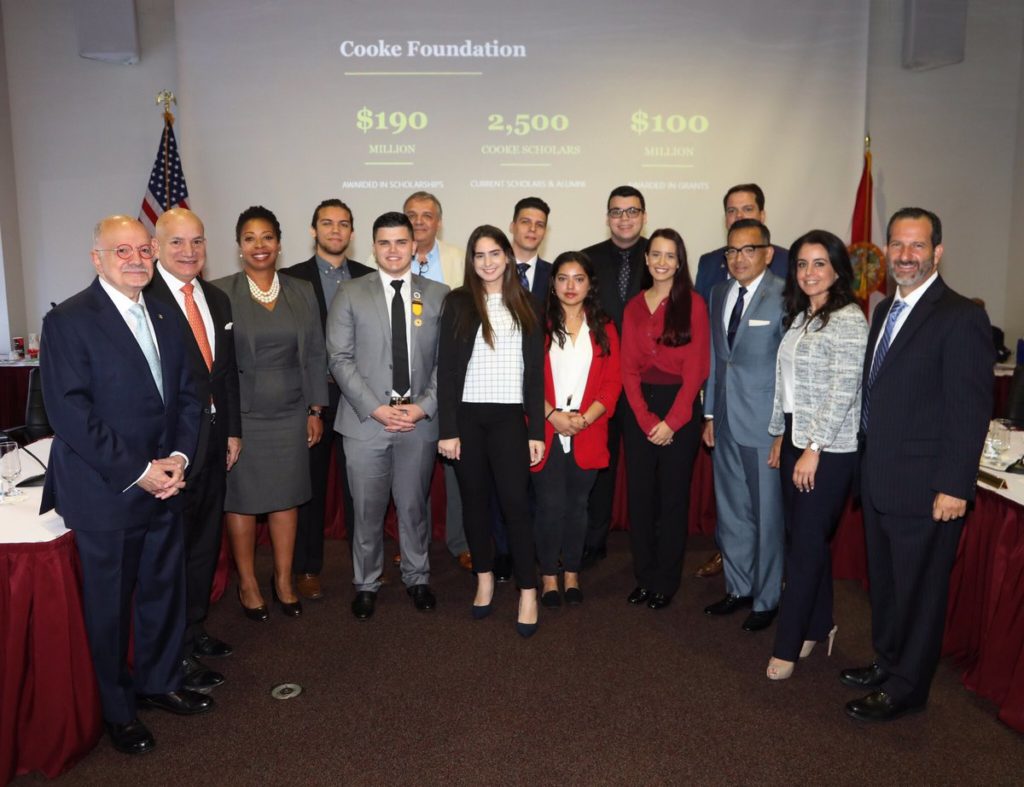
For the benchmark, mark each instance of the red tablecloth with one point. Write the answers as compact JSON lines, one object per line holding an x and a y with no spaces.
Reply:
{"x":49,"y":703}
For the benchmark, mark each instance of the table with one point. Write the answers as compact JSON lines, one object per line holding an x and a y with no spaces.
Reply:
{"x":49,"y":703}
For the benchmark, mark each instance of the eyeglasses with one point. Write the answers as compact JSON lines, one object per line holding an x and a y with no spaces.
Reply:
{"x":747,"y":251}
{"x":424,"y":265}
{"x":618,"y":213}
{"x":125,"y":251}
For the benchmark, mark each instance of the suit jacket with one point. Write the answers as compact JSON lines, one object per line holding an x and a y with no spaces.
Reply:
{"x":454,"y":353}
{"x":826,"y":397}
{"x":541,"y":278}
{"x":307,"y":270}
{"x":605,"y":258}
{"x":312,"y":353}
{"x":930,"y":403}
{"x":108,"y":418}
{"x":219,"y":384}
{"x":712,"y":270}
{"x":359,"y":346}
{"x":453,"y":263}
{"x":604,"y":384}
{"x":741,"y":386}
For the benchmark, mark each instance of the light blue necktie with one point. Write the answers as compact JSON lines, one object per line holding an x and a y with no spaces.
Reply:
{"x":148,"y":346}
{"x":880,"y":353}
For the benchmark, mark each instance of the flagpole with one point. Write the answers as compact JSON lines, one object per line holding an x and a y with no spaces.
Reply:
{"x":166,"y":97}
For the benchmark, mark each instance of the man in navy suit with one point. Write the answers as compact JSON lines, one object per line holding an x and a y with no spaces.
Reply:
{"x":205,"y":331}
{"x":125,"y":416}
{"x":526,"y":232}
{"x":927,"y":399}
{"x":327,"y":270}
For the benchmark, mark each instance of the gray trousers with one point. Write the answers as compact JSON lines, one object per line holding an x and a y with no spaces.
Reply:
{"x":390,"y":465}
{"x":750,"y":529}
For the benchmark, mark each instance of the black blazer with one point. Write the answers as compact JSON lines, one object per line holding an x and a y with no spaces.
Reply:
{"x":453,"y":356}
{"x":307,"y":270}
{"x":605,"y":257}
{"x":930,"y":403}
{"x":220,"y":383}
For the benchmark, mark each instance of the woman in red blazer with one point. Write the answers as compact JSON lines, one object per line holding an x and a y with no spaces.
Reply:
{"x":582,"y":383}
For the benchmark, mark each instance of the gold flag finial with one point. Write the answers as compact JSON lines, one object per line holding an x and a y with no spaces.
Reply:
{"x":166,"y":97}
{"x":867,"y":142}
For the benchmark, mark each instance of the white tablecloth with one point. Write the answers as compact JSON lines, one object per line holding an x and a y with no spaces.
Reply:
{"x":20,"y":522}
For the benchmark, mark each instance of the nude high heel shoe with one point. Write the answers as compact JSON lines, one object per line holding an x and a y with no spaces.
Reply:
{"x":809,"y":644}
{"x":779,"y":669}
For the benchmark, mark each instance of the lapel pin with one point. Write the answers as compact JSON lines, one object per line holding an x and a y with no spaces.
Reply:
{"x":417,"y":322}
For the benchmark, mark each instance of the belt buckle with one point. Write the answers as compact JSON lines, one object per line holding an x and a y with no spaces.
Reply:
{"x":399,"y":400}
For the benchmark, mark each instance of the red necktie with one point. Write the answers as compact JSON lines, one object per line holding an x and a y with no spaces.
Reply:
{"x":195,"y":321}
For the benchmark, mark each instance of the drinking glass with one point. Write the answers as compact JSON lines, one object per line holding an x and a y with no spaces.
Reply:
{"x":10,"y":468}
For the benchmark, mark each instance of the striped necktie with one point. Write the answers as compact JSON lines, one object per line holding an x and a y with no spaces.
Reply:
{"x":880,"y":353}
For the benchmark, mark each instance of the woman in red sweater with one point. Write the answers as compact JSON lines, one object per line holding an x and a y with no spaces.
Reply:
{"x":665,"y":361}
{"x":581,"y":385}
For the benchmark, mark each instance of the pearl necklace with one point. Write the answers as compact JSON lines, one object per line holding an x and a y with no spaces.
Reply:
{"x":265,"y":297}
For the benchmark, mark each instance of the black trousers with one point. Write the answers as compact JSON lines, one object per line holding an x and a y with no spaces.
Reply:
{"x":602,"y":495}
{"x":560,"y":525}
{"x":909,"y":561}
{"x":203,"y":520}
{"x":309,"y":535}
{"x":495,"y":452}
{"x":805,"y":609}
{"x":658,"y":486}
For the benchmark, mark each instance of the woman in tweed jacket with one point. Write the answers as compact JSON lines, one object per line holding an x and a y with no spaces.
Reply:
{"x":815,"y":418}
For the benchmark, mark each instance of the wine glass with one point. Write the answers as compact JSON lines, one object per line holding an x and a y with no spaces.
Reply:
{"x":10,"y":468}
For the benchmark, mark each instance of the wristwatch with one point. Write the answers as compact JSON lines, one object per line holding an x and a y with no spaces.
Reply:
{"x":815,"y":446}
{"x":317,"y":411}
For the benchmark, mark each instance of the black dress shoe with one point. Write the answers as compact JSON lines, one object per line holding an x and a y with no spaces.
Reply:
{"x":258,"y":614}
{"x":639,"y":595}
{"x":292,"y":609}
{"x":573,"y":596}
{"x":592,"y":554}
{"x":422,"y":597}
{"x":363,"y":604}
{"x":206,"y":646}
{"x":879,"y":706}
{"x":550,"y":600}
{"x":198,"y":677}
{"x":503,"y":568}
{"x":130,"y":738}
{"x":182,"y":702}
{"x":758,"y":621}
{"x":658,"y":601}
{"x":864,"y":677}
{"x":728,"y":605}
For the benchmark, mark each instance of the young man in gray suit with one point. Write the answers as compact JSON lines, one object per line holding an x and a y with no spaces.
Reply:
{"x":382,"y":345}
{"x":746,"y":328}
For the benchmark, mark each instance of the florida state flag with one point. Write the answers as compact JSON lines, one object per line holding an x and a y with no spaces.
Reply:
{"x":868,"y":260}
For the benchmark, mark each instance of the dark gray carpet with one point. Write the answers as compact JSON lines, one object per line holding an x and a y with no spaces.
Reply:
{"x":604,"y":694}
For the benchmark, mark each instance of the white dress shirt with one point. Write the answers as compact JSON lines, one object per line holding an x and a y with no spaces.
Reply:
{"x":911,"y":301}
{"x":570,"y":367}
{"x":407,"y":297}
{"x":495,"y":374}
{"x":175,"y":285}
{"x":531,"y":270}
{"x":734,"y":293}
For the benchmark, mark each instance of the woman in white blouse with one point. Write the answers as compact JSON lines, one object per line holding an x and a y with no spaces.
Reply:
{"x":582,"y":383}
{"x":490,"y":390}
{"x":815,"y":418}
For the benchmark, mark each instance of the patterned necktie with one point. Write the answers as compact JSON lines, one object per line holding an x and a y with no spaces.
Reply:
{"x":736,"y":317}
{"x":522,"y":267}
{"x":399,"y":345}
{"x":147,"y":345}
{"x":880,"y":353}
{"x":195,"y":322}
{"x":623,"y":279}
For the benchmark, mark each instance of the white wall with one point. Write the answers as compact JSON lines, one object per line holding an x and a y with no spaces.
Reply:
{"x":946,"y":139}
{"x":85,"y":134}
{"x":1013,"y":313}
{"x":10,"y":254}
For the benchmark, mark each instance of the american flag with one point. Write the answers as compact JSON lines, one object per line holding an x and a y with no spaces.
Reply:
{"x":166,"y":187}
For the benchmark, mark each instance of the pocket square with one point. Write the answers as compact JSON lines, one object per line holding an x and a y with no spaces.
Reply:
{"x":229,"y":326}
{"x":759,"y":323}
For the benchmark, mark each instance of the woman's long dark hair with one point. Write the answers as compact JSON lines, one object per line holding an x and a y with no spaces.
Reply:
{"x":515,"y":298}
{"x":676,"y":331}
{"x":840,"y":294}
{"x":596,"y":318}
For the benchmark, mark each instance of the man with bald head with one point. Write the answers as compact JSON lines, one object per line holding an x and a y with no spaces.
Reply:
{"x":125,"y":417}
{"x":204,"y":330}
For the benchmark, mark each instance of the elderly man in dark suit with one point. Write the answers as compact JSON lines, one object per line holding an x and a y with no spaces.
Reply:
{"x":927,"y":398}
{"x":327,"y":270}
{"x":619,"y":267}
{"x":205,"y":329}
{"x":125,"y":416}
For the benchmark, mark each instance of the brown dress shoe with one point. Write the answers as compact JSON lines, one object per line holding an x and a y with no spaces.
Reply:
{"x":396,"y":561}
{"x":308,"y":586}
{"x":465,"y":561}
{"x":712,"y":567}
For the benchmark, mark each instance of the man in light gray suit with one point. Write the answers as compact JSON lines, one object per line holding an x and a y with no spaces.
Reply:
{"x":746,"y":328}
{"x":382,"y":333}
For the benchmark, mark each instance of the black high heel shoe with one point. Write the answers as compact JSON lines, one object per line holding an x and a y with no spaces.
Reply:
{"x":258,"y":614}
{"x":293,"y":609}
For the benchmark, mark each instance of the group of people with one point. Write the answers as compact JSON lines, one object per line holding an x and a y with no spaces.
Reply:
{"x":178,"y":404}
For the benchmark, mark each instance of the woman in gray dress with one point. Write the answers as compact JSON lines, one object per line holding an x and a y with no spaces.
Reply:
{"x":282,"y":378}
